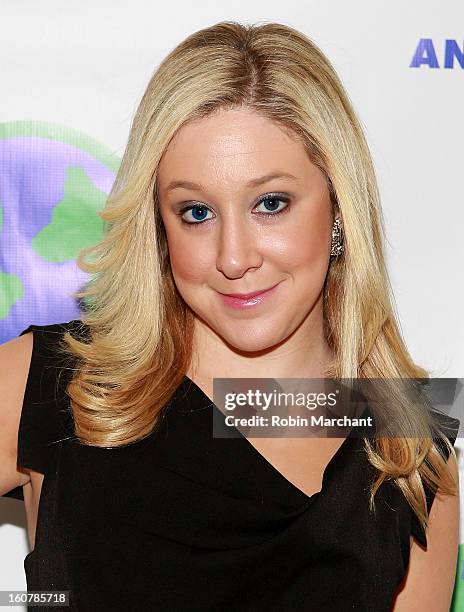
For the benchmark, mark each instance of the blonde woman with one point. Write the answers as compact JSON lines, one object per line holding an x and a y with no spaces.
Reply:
{"x":244,"y":237}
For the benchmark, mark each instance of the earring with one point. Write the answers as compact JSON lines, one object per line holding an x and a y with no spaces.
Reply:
{"x":337,"y":247}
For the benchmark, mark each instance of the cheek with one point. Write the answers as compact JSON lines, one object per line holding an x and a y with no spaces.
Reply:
{"x":304,"y":243}
{"x":189,"y":262}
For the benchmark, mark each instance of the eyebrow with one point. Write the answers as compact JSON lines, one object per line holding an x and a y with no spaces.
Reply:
{"x":253,"y":183}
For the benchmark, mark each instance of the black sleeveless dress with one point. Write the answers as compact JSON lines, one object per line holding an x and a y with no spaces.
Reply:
{"x":182,"y":521}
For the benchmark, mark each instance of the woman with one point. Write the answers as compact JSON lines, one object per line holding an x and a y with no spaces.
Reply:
{"x":246,"y":170}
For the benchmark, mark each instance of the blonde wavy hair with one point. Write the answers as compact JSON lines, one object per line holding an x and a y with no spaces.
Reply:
{"x":139,"y":347}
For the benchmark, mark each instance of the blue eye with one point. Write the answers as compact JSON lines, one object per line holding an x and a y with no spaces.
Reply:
{"x":274,"y":199}
{"x":199,"y":211}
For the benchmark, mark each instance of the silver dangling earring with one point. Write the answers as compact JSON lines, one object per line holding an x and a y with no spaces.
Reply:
{"x":337,"y":247}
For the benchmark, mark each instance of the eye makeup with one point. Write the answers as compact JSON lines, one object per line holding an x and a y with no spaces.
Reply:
{"x":276,"y":196}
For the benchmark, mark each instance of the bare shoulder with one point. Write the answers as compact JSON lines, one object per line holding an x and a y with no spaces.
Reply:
{"x":430,"y":578}
{"x":15,"y":359}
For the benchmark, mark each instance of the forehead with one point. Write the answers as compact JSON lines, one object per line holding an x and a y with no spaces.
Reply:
{"x":231,"y":144}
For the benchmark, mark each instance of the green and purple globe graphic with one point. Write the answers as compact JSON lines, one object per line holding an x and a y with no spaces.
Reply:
{"x":53,"y":182}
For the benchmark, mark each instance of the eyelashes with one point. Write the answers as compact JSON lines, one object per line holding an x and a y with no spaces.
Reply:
{"x":273,"y":197}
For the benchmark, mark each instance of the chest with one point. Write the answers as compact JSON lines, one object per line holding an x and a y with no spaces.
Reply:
{"x":301,"y":461}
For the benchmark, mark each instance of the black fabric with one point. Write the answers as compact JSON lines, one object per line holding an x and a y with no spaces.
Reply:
{"x":185,"y":521}
{"x":42,"y":422}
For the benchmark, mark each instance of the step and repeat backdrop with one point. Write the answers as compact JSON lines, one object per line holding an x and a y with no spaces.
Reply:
{"x":72,"y":76}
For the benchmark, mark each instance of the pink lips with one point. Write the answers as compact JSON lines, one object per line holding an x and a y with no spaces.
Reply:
{"x":247,"y":300}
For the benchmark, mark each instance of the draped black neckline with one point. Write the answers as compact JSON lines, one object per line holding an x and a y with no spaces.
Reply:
{"x":189,"y":388}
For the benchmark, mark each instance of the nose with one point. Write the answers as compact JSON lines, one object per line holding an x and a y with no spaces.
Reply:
{"x":238,"y":247}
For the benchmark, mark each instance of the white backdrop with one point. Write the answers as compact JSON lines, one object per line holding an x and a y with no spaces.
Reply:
{"x":85,"y":65}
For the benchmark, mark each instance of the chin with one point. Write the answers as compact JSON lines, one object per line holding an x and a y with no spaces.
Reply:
{"x":251,"y":339}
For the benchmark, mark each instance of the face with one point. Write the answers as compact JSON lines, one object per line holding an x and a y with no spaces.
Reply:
{"x":245,"y":210}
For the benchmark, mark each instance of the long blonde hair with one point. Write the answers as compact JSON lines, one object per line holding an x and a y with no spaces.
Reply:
{"x":139,"y":347}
